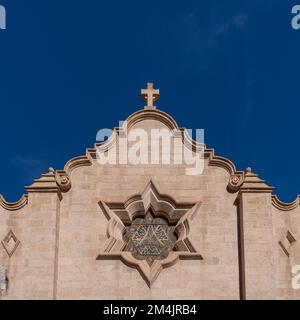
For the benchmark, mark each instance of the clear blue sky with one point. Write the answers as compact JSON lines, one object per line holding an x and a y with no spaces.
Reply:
{"x":70,"y":68}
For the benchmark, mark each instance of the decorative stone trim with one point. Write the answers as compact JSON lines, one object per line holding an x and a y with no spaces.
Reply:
{"x":220,"y":162}
{"x":46,"y":184}
{"x":63,"y":180}
{"x":291,"y":239}
{"x":150,"y":274}
{"x":253,"y":184}
{"x":63,"y":177}
{"x":120,"y":215}
{"x":286,"y":242}
{"x":14,"y":206}
{"x":282,"y":206}
{"x":51,"y":182}
{"x":235,"y":182}
{"x":152,"y":114}
{"x":80,"y":161}
{"x":10,"y":243}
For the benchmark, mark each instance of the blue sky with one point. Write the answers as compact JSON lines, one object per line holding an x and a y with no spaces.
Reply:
{"x":70,"y":68}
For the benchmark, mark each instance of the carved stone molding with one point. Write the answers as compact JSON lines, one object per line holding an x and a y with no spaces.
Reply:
{"x":283,"y":206}
{"x":51,"y":182}
{"x":63,"y":180}
{"x":60,"y":181}
{"x":251,"y":183}
{"x":63,"y":177}
{"x":14,"y":206}
{"x":149,"y":232}
{"x":235,"y":182}
{"x":10,"y":243}
{"x":286,"y":242}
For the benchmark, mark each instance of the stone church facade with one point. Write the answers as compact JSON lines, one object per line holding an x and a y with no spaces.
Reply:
{"x":149,"y":231}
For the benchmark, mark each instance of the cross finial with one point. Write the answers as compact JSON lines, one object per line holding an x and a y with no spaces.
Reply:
{"x":150,"y":95}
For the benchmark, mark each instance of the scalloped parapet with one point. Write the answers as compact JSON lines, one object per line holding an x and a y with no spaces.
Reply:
{"x":60,"y":181}
{"x":14,"y":206}
{"x":225,"y":221}
{"x":285,"y":206}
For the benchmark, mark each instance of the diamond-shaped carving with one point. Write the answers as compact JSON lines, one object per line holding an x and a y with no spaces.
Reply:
{"x":10,"y":243}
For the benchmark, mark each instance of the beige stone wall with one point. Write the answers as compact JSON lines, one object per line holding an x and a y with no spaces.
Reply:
{"x":83,"y":236}
{"x":62,"y":231}
{"x":258,"y":241}
{"x":284,"y":221}
{"x":30,"y":269}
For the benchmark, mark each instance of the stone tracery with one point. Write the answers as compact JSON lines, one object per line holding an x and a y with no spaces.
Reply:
{"x":149,"y":232}
{"x":150,"y":238}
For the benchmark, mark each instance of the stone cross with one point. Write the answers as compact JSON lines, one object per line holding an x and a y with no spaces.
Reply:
{"x":150,"y":95}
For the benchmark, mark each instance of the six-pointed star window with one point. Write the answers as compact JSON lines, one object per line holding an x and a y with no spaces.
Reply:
{"x":149,"y":232}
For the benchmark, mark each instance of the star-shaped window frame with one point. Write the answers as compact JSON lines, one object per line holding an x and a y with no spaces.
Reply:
{"x":122,"y":215}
